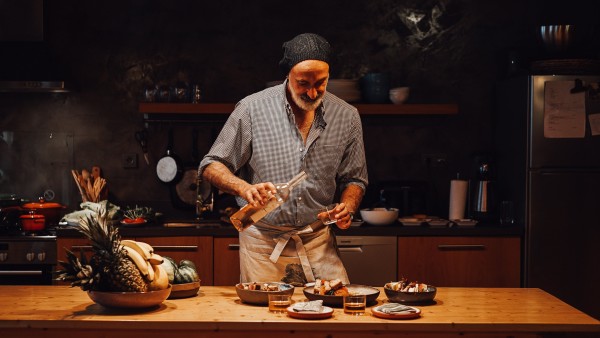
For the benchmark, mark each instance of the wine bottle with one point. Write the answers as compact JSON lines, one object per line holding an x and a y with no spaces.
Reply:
{"x":250,"y":214}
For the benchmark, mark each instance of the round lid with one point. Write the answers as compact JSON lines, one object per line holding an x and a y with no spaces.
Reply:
{"x":42,"y":204}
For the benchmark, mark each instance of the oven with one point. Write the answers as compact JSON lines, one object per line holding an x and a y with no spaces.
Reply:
{"x":27,"y":259}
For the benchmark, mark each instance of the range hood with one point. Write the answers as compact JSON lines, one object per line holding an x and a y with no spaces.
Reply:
{"x":27,"y":64}
{"x":33,"y":87}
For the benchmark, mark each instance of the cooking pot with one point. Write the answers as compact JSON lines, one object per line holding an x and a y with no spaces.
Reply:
{"x":53,"y":212}
{"x":33,"y":222}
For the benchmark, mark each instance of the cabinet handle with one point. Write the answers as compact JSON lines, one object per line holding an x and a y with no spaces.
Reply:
{"x":233,"y":246}
{"x":21,"y":273}
{"x":449,"y":247}
{"x":350,"y":249}
{"x":176,"y":247}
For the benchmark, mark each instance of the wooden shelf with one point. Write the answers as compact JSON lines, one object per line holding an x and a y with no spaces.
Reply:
{"x":363,"y":108}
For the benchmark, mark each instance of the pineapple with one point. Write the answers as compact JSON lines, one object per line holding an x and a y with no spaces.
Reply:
{"x":109,"y":268}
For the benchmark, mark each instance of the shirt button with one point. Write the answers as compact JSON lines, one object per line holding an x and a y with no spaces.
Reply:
{"x":301,"y":149}
{"x":299,"y":198}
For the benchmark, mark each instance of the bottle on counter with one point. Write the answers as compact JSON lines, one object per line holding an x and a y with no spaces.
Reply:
{"x":249,"y":214}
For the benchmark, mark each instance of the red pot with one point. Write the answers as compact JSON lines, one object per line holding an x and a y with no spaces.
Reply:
{"x":53,"y":212}
{"x":33,"y":222}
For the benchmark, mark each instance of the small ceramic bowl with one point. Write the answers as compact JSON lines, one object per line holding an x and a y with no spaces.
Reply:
{"x":379,"y":216}
{"x":399,"y":95}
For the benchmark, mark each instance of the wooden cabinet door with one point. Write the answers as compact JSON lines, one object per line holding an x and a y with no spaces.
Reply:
{"x":226,"y":260}
{"x":72,"y":244}
{"x":461,"y":261}
{"x":198,"y":249}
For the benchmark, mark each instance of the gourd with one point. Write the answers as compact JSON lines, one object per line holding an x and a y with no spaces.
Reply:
{"x":170,"y":266}
{"x":185,"y":272}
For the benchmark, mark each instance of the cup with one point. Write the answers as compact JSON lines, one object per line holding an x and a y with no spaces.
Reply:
{"x":330,"y":214}
{"x":507,"y":212}
{"x":355,"y":305}
{"x":279,"y":303}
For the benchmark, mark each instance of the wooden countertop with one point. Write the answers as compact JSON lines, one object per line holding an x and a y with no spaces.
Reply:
{"x":61,"y":311}
{"x":216,"y":229}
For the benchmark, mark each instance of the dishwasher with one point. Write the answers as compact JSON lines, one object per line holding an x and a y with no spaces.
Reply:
{"x":369,"y":260}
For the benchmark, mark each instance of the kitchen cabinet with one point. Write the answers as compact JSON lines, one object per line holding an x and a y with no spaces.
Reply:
{"x":198,"y":249}
{"x":226,"y":260}
{"x":461,"y":261}
{"x":364,"y":109}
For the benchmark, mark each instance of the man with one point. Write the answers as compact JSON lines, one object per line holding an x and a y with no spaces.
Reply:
{"x":273,"y":135}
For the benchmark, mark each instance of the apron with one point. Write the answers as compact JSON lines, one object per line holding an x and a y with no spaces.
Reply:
{"x":266,"y":251}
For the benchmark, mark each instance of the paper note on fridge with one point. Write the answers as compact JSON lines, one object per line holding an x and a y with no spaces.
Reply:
{"x":564,"y":112}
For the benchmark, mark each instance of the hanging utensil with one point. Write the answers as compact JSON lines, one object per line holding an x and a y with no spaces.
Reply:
{"x":142,"y":138}
{"x":168,"y":168}
{"x":186,"y":188}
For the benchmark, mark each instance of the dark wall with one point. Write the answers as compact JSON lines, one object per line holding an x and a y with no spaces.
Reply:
{"x":447,"y":51}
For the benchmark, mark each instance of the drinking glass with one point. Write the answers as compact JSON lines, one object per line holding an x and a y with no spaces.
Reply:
{"x":355,"y":305}
{"x":329,"y":210}
{"x":279,"y":303}
{"x":507,"y":213}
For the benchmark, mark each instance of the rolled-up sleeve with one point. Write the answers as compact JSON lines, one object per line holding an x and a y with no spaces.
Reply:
{"x":233,"y":146}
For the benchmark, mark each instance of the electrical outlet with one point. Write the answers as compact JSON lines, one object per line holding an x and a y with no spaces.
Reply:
{"x":434,"y":160}
{"x":129,"y":160}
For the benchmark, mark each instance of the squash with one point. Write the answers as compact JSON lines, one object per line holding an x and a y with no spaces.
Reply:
{"x":187,"y":262}
{"x":187,"y":274}
{"x":170,"y":267}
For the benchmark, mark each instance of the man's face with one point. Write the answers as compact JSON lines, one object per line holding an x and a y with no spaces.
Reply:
{"x":307,"y":83}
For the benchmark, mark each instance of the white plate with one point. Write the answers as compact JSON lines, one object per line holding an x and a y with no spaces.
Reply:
{"x":413,"y":221}
{"x":402,"y":315}
{"x":326,"y":313}
{"x":438,"y":223}
{"x":465,"y":222}
{"x":356,"y":224}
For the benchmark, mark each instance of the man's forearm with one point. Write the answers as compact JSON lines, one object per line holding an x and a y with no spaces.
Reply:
{"x":352,"y":196}
{"x":221,"y":177}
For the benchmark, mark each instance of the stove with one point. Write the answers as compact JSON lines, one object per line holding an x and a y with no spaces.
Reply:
{"x":27,"y":258}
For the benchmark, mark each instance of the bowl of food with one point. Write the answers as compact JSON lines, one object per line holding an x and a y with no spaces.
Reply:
{"x":130,"y":300}
{"x":332,"y":292}
{"x":379,"y":216}
{"x":258,"y":293}
{"x":409,"y":292}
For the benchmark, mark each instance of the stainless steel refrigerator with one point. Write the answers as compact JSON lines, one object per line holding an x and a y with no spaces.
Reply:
{"x":550,"y":168}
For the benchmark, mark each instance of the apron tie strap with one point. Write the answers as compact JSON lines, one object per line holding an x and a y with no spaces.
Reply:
{"x":282,"y":241}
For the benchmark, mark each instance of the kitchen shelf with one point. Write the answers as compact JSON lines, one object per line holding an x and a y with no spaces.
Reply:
{"x":364,"y":109}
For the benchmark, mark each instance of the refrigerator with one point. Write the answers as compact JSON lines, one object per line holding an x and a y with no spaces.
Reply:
{"x":548,"y":161}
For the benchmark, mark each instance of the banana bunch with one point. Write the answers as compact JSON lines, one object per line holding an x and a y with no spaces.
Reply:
{"x":148,"y":262}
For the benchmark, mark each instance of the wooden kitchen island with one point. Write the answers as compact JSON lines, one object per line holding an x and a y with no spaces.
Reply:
{"x":61,"y":311}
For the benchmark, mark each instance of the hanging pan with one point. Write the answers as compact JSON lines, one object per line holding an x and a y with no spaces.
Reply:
{"x":168,"y":168}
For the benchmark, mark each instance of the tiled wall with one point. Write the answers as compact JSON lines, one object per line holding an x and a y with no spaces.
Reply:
{"x":447,"y":51}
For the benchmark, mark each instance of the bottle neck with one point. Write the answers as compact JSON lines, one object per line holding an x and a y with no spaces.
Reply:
{"x":296,"y":180}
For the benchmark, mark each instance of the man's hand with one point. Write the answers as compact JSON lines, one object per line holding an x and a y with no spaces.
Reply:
{"x":258,"y":194}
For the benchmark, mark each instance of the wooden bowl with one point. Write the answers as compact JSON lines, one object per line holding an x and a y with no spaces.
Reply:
{"x":259,"y":297}
{"x":130,"y":300}
{"x":185,"y":290}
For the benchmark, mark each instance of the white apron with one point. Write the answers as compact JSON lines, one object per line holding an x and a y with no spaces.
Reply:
{"x":266,"y":250}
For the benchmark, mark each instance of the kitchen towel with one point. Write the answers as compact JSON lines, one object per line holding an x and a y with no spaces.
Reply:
{"x":458,"y":199}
